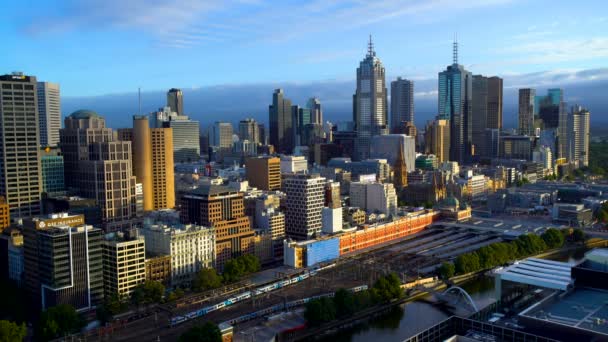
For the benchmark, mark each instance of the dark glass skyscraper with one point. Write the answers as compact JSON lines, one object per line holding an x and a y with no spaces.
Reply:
{"x":526,"y":111}
{"x":551,"y":109}
{"x":175,"y":101}
{"x":281,"y":123}
{"x":455,"y":104}
{"x":402,"y":102}
{"x":370,"y":111}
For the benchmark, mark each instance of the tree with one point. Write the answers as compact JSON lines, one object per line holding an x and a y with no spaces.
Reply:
{"x":207,"y":332}
{"x":388,"y":287}
{"x":446,"y":270}
{"x":206,"y":279}
{"x":319,"y":311}
{"x":553,"y":238}
{"x":578,"y":235}
{"x":12,"y":332}
{"x":345,"y":303}
{"x":59,"y":321}
{"x":148,"y":292}
{"x":466,"y":263}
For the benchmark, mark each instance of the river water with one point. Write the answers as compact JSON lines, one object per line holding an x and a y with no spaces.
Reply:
{"x":408,"y":319}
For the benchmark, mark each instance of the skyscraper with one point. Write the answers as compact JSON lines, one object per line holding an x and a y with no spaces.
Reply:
{"x":142,"y":158}
{"x":369,"y":102}
{"x":479,"y":111}
{"x":280,"y":119}
{"x":437,"y":139}
{"x":49,"y":110}
{"x":455,"y":104}
{"x":302,"y":118}
{"x":249,"y":129}
{"x":316,"y":113}
{"x":578,"y":133}
{"x":20,"y":173}
{"x":402,"y":102}
{"x":552,"y":111}
{"x":163,"y":177}
{"x":186,"y":134}
{"x":305,"y":199}
{"x":495,"y":92}
{"x":175,"y":101}
{"x":221,"y":135}
{"x":526,"y":111}
{"x":264,"y":173}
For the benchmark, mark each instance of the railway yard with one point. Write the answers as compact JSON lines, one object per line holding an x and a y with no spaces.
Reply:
{"x":417,"y":255}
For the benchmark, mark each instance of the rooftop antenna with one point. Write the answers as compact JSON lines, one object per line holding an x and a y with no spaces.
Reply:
{"x":139,"y":101}
{"x":370,"y":47}
{"x":455,"y":48}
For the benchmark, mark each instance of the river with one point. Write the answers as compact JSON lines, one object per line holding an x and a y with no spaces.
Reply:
{"x":408,"y":319}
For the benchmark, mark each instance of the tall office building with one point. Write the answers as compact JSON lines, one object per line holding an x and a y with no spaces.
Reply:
{"x":142,"y":159}
{"x":437,"y":139}
{"x":486,"y":108}
{"x":479,"y":111}
{"x":175,"y":101}
{"x":249,"y":129}
{"x":281,"y":123}
{"x":305,"y":198}
{"x":369,"y":102}
{"x":578,"y":133}
{"x":264,"y":173}
{"x":302,"y":118}
{"x":495,"y":94}
{"x":526,"y":111}
{"x":402,"y":102}
{"x":221,"y":135}
{"x":551,"y":109}
{"x":316,"y":112}
{"x":455,"y":104}
{"x":124,"y":267}
{"x":107,"y":176}
{"x":20,"y":176}
{"x":80,"y":129}
{"x":222,"y":208}
{"x":163,"y":174}
{"x":186,"y":134}
{"x":49,"y":110}
{"x":73,"y":275}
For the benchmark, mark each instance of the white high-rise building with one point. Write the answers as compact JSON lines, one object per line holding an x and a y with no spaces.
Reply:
{"x":49,"y":110}
{"x":578,"y":136}
{"x":370,"y":102}
{"x":544,"y":156}
{"x":305,"y":199}
{"x":294,"y":164}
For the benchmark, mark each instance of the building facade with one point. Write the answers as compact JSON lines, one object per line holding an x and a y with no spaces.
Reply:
{"x":20,"y":175}
{"x":455,"y":105}
{"x":526,"y":111}
{"x":370,"y":102}
{"x":264,"y":173}
{"x":186,"y":134}
{"x":51,"y":164}
{"x":223,"y":209}
{"x":175,"y":101}
{"x":281,"y":123}
{"x":578,"y":133}
{"x":437,"y":139}
{"x":124,"y":265}
{"x":49,"y":109}
{"x":304,"y":203}
{"x":402,"y":102}
{"x":249,"y":129}
{"x":393,"y":146}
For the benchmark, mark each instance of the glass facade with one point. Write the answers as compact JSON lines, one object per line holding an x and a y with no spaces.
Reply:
{"x":52,"y":174}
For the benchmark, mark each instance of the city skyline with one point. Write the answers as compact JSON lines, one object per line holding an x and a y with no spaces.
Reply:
{"x":148,"y":33}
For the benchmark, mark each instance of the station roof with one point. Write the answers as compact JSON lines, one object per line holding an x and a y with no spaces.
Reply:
{"x":539,"y":272}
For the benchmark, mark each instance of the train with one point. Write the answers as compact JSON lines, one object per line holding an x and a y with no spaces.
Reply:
{"x":285,"y":306}
{"x":248,"y":294}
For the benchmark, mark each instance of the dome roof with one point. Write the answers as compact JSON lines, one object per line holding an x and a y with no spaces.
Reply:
{"x":84,"y":114}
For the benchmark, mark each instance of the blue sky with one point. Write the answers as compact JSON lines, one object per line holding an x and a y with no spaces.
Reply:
{"x":96,"y":47}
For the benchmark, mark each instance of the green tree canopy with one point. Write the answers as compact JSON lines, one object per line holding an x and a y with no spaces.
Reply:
{"x":207,"y":332}
{"x":446,"y":270}
{"x":59,"y":321}
{"x":388,"y":287}
{"x":12,"y":332}
{"x":148,"y":292}
{"x":319,"y":311}
{"x":206,"y":279}
{"x":553,"y":238}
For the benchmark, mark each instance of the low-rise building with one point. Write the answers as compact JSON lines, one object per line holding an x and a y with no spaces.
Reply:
{"x":294,"y":164}
{"x":124,"y":255}
{"x":158,"y":268}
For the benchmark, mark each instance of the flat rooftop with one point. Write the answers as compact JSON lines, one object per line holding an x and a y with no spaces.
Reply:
{"x":539,"y":272}
{"x":582,"y":308}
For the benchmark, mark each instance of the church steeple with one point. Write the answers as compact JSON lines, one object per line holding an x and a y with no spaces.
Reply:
{"x":400,"y":171}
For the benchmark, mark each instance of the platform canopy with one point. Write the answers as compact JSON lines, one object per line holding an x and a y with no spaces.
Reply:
{"x":539,"y":272}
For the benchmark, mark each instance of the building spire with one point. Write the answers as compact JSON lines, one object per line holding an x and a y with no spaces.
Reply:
{"x":370,"y":47}
{"x":455,"y":48}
